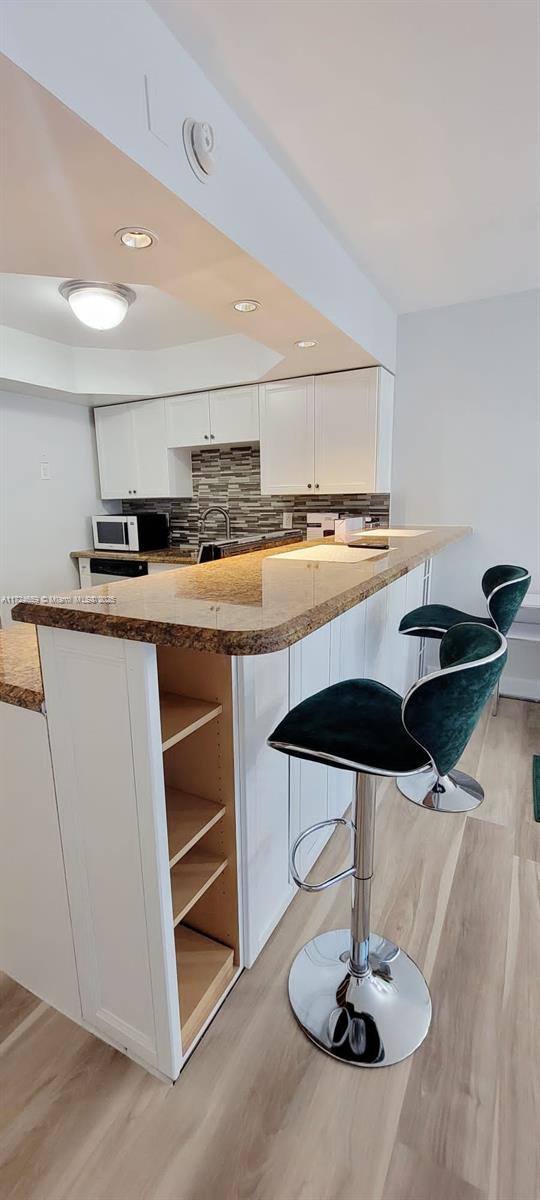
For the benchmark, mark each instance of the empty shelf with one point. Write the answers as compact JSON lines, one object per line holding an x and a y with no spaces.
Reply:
{"x":181,"y":715}
{"x":188,"y":819}
{"x":205,"y":968}
{"x":191,"y":877}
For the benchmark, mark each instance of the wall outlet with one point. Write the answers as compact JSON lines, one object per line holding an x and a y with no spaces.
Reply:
{"x":287,"y":520}
{"x":45,"y":470}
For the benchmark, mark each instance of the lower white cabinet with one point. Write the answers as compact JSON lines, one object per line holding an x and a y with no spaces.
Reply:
{"x":103,"y":713}
{"x":310,"y":673}
{"x":262,"y":780}
{"x":36,"y":942}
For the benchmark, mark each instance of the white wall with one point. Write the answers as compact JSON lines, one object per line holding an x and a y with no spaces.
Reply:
{"x":41,"y":521}
{"x":467,"y":445}
{"x":128,"y":77}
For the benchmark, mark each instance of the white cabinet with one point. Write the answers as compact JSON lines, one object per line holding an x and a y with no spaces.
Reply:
{"x":222,"y":417}
{"x":116,"y":450}
{"x":134,"y":460}
{"x":345,"y":431}
{"x":262,"y":689}
{"x":310,"y":672}
{"x":327,"y":434}
{"x":188,"y":419}
{"x":36,"y":943}
{"x":234,"y":415}
{"x":111,"y":807}
{"x":287,"y":433}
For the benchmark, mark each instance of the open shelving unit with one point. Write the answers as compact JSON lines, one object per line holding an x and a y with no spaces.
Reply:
{"x":196,"y":733}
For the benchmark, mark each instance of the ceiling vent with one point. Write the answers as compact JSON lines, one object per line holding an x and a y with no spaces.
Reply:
{"x":199,"y":144}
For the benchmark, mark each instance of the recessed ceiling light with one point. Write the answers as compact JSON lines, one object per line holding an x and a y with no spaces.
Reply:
{"x":307,"y":345}
{"x":246,"y":305}
{"x":98,"y":305}
{"x":136,"y":239}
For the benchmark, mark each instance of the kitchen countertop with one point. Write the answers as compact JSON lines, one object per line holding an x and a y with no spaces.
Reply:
{"x":20,"y":672}
{"x":170,"y":554}
{"x":182,"y":556}
{"x":248,"y":604}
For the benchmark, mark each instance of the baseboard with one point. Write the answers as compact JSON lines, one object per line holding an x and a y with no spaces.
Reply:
{"x":520,"y":689}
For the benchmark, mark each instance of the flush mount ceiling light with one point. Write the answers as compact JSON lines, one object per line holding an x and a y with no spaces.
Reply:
{"x":136,"y":239}
{"x":244,"y":306}
{"x":306,"y":345}
{"x":98,"y":305}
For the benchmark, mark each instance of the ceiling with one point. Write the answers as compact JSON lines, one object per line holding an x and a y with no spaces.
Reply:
{"x":32,"y":303}
{"x":62,"y":227}
{"x":409,"y":125}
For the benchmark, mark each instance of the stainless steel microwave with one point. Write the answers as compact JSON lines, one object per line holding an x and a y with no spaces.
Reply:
{"x":136,"y":531}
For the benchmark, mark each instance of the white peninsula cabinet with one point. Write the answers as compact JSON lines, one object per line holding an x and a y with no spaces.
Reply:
{"x":133,"y":456}
{"x":161,"y":822}
{"x":327,"y":434}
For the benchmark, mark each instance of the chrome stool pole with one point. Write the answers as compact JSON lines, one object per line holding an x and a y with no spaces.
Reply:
{"x":356,"y":994}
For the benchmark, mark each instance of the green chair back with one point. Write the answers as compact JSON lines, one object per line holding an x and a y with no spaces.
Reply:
{"x":441,"y":710}
{"x":505,"y":588}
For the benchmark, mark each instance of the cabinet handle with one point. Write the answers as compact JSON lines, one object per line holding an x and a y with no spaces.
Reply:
{"x":309,"y":485}
{"x":134,"y":491}
{"x":129,"y":491}
{"x":206,"y":437}
{"x":316,"y":485}
{"x":212,"y":437}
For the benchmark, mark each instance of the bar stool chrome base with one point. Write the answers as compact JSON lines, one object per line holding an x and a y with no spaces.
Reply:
{"x":371,"y":1020}
{"x":452,"y":793}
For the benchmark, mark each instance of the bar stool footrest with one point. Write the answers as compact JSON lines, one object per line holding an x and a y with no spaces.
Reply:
{"x":318,"y":887}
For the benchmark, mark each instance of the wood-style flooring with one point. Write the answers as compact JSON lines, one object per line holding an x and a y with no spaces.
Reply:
{"x":259,"y":1113}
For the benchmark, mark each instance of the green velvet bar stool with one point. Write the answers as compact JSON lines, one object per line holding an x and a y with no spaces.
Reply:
{"x":505,"y":588}
{"x":357,"y":995}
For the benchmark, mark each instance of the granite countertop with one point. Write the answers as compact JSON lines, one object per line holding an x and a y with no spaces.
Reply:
{"x":170,"y":554}
{"x":253,"y":603}
{"x":20,"y":672}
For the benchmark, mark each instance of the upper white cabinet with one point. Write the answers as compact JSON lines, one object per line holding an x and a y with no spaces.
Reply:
{"x":330,"y":434}
{"x":222,"y":417}
{"x":234,"y":414}
{"x":134,"y":460}
{"x":287,"y":436}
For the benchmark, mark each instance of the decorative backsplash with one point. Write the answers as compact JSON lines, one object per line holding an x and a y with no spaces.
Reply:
{"x":231,"y":476}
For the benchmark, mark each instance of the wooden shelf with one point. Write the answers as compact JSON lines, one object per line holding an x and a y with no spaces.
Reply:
{"x":188,"y":819}
{"x":205,"y":968}
{"x":181,"y":715}
{"x":192,"y":877}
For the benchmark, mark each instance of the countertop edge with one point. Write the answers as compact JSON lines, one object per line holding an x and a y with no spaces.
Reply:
{"x":232,"y":642}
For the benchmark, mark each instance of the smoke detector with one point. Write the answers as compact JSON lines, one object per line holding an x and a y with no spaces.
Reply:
{"x":199,"y":144}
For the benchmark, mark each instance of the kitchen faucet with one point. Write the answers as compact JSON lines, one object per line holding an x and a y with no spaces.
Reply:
{"x":217,"y":508}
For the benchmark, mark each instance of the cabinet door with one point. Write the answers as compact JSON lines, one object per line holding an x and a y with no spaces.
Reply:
{"x":188,"y":420}
{"x":346,"y":431}
{"x":234,"y":415}
{"x":36,"y":943}
{"x":310,"y":672}
{"x":286,"y":413}
{"x":150,"y":448}
{"x":263,"y":789}
{"x":116,"y":450}
{"x":375,"y":645}
{"x":397,"y":648}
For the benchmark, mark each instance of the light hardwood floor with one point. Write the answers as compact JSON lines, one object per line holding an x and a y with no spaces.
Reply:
{"x":259,"y":1113}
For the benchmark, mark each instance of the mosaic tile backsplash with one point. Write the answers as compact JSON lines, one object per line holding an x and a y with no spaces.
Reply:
{"x":231,"y":476}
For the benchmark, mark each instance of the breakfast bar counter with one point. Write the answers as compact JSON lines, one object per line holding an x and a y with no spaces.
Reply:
{"x":164,"y":820}
{"x":254,"y":603}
